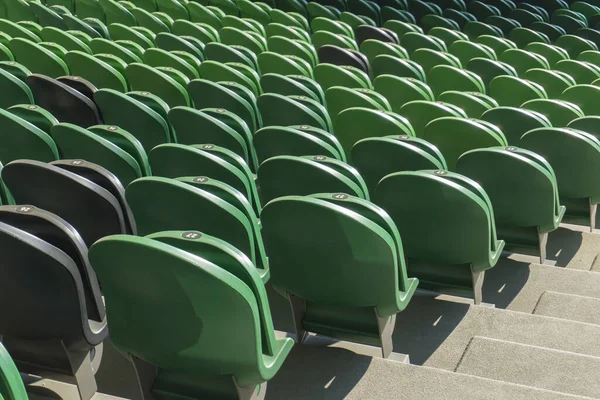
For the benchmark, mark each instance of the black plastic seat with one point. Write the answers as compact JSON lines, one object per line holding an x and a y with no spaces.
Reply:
{"x":44,"y":322}
{"x":337,"y":56}
{"x":105,"y":179}
{"x":91,"y":209}
{"x":64,"y":102}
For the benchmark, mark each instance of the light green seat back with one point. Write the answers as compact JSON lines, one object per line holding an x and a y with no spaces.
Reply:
{"x":474,"y":104}
{"x":575,"y":45}
{"x":552,"y":54}
{"x":340,"y":98}
{"x":37,"y":58}
{"x":35,"y":115}
{"x":522,"y":60}
{"x":328,"y":75}
{"x":488,"y":69}
{"x":23,"y":140}
{"x":13,"y":90}
{"x":586,"y":97}
{"x":136,"y":118}
{"x":385,"y":64}
{"x":285,"y":110}
{"x":445,"y":77}
{"x":75,"y":142}
{"x":98,"y":72}
{"x":466,"y":51}
{"x":582,"y":72}
{"x":553,"y":82}
{"x":420,"y":113}
{"x":146,"y":78}
{"x":514,"y":121}
{"x":512,"y":91}
{"x":588,"y":124}
{"x":559,"y":112}
{"x":11,"y":384}
{"x":428,"y":59}
{"x":354,"y":124}
{"x":399,"y":91}
{"x":434,"y":210}
{"x":454,"y":136}
{"x":126,"y":142}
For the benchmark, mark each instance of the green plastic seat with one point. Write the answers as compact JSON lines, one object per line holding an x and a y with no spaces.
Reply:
{"x":178,"y":160}
{"x":37,"y":58}
{"x":572,"y":154}
{"x":319,"y":175}
{"x":293,"y":47}
{"x":412,"y":41}
{"x":171,"y":42}
{"x":523,"y":60}
{"x":399,"y":91}
{"x":482,"y":10}
{"x":333,"y":26}
{"x":14,"y":30}
{"x":553,"y":82}
{"x":590,"y":56}
{"x":363,"y":316}
{"x":75,"y":142}
{"x":205,"y":15}
{"x":488,"y":69}
{"x":155,"y":57}
{"x":377,"y":157}
{"x":474,"y":29}
{"x":420,"y":113}
{"x":575,"y":45}
{"x":444,"y":77}
{"x":321,"y":38}
{"x":328,"y":75}
{"x":454,"y":136}
{"x":243,"y":363}
{"x":474,"y":104}
{"x":552,"y":54}
{"x":512,"y":91}
{"x":526,"y":17}
{"x":568,"y":22}
{"x":587,"y":124}
{"x":285,"y":110}
{"x":340,"y":98}
{"x":233,"y":36}
{"x":291,"y":85}
{"x":122,"y":32}
{"x":559,"y":112}
{"x":207,"y":94}
{"x":145,"y":78}
{"x":587,"y":9}
{"x":448,"y":36}
{"x":434,"y":210}
{"x":115,"y":12}
{"x":13,"y":90}
{"x":586,"y":97}
{"x":526,"y":206}
{"x":498,"y":44}
{"x":97,"y":71}
{"x":505,"y":24}
{"x":133,"y":116}
{"x":150,"y":21}
{"x":582,"y":72}
{"x":354,"y":124}
{"x":23,"y":140}
{"x":524,"y":36}
{"x":203,"y":32}
{"x":466,"y":51}
{"x":390,"y":65}
{"x":64,"y":39}
{"x":196,"y":127}
{"x":428,"y":59}
{"x":514,"y":122}
{"x":272,"y":141}
{"x":35,"y":115}
{"x":11,"y":386}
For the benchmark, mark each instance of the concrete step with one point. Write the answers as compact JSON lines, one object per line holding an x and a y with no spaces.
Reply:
{"x":539,"y":367}
{"x":568,"y":306}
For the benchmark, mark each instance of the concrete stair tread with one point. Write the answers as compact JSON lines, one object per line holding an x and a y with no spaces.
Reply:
{"x":334,"y":373}
{"x":535,"y":366}
{"x":569,"y":306}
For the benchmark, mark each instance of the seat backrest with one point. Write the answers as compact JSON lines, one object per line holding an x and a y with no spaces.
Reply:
{"x":585,"y":97}
{"x":559,"y":112}
{"x":572,"y":154}
{"x":24,"y":140}
{"x":190,"y":290}
{"x":278,"y":177}
{"x":433,"y":214}
{"x":11,"y":384}
{"x":60,"y":234}
{"x":65,"y":103}
{"x":420,"y":113}
{"x":14,"y":91}
{"x":453,"y":136}
{"x":67,"y":195}
{"x":294,"y":224}
{"x":512,"y":91}
{"x":529,"y":198}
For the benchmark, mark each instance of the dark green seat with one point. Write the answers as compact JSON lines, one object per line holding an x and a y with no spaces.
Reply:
{"x":428,"y":59}
{"x":488,"y":69}
{"x":498,"y":44}
{"x":524,"y":36}
{"x":586,"y":97}
{"x":553,"y":82}
{"x":279,"y":176}
{"x":13,"y":90}
{"x":37,"y":58}
{"x":447,"y":36}
{"x":23,"y":140}
{"x":356,"y":314}
{"x":559,"y":112}
{"x":196,"y":209}
{"x":523,"y":60}
{"x":553,"y":32}
{"x":377,"y":157}
{"x":64,"y":38}
{"x":575,"y":45}
{"x":572,"y":154}
{"x":340,"y":98}
{"x":512,"y":91}
{"x":293,"y":85}
{"x":132,"y":115}
{"x":589,"y":124}
{"x":385,"y":64}
{"x":445,"y":77}
{"x":466,"y":51}
{"x":35,"y":115}
{"x":474,"y":104}
{"x":514,"y":122}
{"x":399,"y":91}
{"x":206,"y":94}
{"x":552,"y":54}
{"x":503,"y":23}
{"x":526,"y":206}
{"x":285,"y":110}
{"x":420,"y":113}
{"x":435,"y":212}
{"x":582,"y":72}
{"x":454,"y":136}
{"x":154,"y":80}
{"x":303,"y":140}
{"x":354,"y":124}
{"x":98,"y":72}
{"x":195,"y":127}
{"x":413,"y":41}
{"x":328,"y":75}
{"x":75,"y":142}
{"x":238,"y":366}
